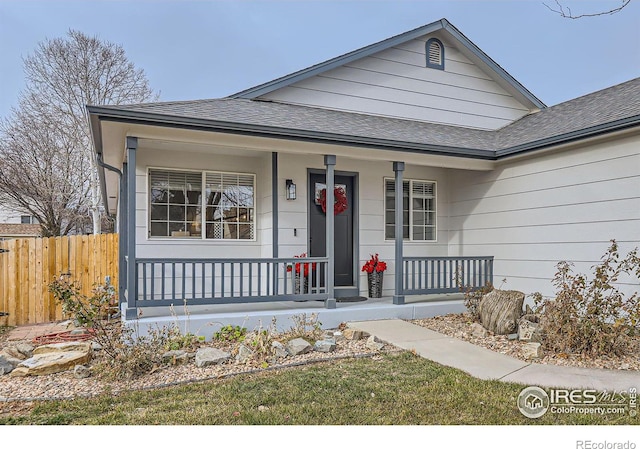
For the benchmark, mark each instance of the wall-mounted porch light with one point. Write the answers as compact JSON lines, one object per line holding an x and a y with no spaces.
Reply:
{"x":291,"y":190}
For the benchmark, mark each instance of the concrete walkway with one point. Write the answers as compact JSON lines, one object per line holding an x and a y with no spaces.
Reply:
{"x":486,"y":364}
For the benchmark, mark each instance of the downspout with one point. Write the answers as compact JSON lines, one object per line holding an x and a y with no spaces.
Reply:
{"x":121,"y":242}
{"x":103,"y":164}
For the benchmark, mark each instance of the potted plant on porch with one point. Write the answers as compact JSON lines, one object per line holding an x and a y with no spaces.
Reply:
{"x":301,"y":277}
{"x":375,"y":269}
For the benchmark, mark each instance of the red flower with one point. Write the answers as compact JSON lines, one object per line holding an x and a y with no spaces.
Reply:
{"x":297,"y":266}
{"x":374,"y":264}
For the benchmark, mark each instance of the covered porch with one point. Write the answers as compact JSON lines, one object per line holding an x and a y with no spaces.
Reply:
{"x":219,"y":287}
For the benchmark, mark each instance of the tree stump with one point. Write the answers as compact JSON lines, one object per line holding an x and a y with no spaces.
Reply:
{"x":500,"y":311}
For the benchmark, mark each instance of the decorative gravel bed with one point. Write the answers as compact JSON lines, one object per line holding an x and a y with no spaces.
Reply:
{"x":66,"y":386}
{"x":459,"y":326}
{"x":17,"y":392}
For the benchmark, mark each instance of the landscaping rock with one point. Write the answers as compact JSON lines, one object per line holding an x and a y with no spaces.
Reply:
{"x":175,"y":356}
{"x":338,"y":335}
{"x":96,"y":346}
{"x":12,"y":352}
{"x":279,"y":350}
{"x":478,"y":331}
{"x":9,"y":358}
{"x":244,"y":354}
{"x":81,"y":372}
{"x":72,"y":346}
{"x":5,"y":366}
{"x":51,"y":362}
{"x":374,"y":343}
{"x":500,"y":311}
{"x":352,"y":334}
{"x":298,"y":346}
{"x":529,"y":331}
{"x":25,"y":349}
{"x":211,"y":356}
{"x":532,"y":351}
{"x":327,"y":345}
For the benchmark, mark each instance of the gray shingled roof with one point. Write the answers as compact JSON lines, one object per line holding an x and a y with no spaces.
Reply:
{"x":594,"y":112}
{"x":20,"y":230}
{"x":613,"y":104}
{"x":292,"y":117}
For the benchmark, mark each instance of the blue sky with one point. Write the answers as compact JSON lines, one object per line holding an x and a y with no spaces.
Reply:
{"x":208,"y":49}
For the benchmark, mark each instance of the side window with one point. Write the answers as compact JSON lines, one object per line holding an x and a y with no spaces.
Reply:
{"x":418,"y":210}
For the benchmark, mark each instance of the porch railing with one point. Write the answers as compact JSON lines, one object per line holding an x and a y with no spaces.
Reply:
{"x":427,"y":275}
{"x":164,"y":282}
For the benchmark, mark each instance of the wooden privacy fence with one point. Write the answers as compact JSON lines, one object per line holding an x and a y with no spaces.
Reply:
{"x":28,"y":266}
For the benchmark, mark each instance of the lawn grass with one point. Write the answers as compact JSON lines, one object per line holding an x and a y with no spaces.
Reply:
{"x":389,"y":390}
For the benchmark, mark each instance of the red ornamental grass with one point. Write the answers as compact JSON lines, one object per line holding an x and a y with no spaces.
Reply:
{"x":374,"y":264}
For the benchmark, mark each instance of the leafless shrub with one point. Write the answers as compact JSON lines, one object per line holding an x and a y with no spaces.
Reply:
{"x":592,"y":316}
{"x":472,"y":296}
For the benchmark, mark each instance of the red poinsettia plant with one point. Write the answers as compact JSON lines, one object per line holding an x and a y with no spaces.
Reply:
{"x":374,"y":264}
{"x":304,"y":268}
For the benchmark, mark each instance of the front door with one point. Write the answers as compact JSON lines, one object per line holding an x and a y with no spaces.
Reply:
{"x":344,"y":224}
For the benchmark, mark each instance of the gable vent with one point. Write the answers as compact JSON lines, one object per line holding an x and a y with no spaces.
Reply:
{"x":435,"y":54}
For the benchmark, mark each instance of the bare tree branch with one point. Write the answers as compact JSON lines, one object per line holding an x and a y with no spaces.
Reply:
{"x":47,"y":164}
{"x":566,"y":12}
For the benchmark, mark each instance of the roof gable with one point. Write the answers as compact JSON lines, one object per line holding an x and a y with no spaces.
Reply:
{"x":443,"y":29}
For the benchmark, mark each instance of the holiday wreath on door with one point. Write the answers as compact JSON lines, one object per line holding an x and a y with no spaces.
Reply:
{"x":340,"y":200}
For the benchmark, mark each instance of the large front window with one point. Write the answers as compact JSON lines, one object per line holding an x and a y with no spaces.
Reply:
{"x":418,"y":210}
{"x":177,"y":202}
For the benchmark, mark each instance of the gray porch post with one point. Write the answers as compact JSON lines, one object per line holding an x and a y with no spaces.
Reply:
{"x":330,"y":163}
{"x":274,"y":215}
{"x":122,"y":235}
{"x":398,"y":296}
{"x":132,"y":278}
{"x":274,"y":203}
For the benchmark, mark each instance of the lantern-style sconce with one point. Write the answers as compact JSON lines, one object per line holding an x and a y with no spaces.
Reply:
{"x":291,"y":190}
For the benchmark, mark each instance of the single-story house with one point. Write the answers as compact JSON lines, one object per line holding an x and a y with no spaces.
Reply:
{"x":19,"y":231}
{"x":216,"y":200}
{"x":15,"y":225}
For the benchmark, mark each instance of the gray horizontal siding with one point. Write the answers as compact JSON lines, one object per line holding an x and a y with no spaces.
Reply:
{"x":532,"y":213}
{"x":396,"y":83}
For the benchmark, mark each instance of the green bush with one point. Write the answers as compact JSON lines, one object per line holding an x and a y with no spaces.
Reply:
{"x":592,"y":316}
{"x":231,"y":333}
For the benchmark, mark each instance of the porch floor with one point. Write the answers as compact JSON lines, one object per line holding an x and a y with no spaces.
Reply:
{"x":206,"y":320}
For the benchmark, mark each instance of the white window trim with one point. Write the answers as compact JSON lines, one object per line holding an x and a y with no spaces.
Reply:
{"x":203,"y":235}
{"x":384,"y":210}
